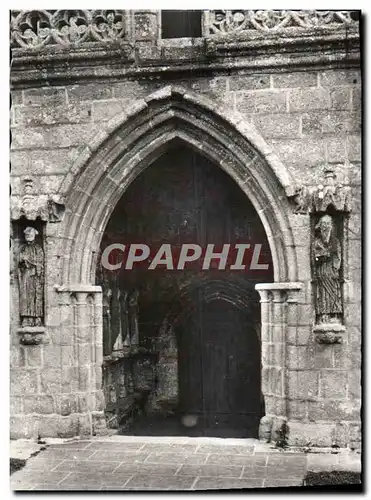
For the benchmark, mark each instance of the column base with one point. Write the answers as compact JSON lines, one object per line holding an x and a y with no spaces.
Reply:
{"x":273,"y":429}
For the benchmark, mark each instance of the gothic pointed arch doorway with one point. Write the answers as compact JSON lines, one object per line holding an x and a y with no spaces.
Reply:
{"x":108,"y":168}
{"x":182,"y":347}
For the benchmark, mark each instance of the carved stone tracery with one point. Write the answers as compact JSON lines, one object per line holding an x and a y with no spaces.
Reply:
{"x":237,"y":21}
{"x":35,"y":29}
{"x":38,"y":28}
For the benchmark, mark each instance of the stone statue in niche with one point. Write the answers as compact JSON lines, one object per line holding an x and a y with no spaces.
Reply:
{"x":327,"y":259}
{"x":31,"y":280}
{"x":133,"y":318}
{"x":124,"y":318}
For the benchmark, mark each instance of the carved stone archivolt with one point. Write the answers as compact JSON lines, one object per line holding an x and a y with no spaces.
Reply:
{"x":237,"y":21}
{"x":32,"y":206}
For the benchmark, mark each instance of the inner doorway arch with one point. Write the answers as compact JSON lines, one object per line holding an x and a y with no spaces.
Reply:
{"x":210,"y":317}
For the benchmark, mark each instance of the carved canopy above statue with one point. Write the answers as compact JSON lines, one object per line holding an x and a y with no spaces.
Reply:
{"x":324,"y":197}
{"x":32,"y":207}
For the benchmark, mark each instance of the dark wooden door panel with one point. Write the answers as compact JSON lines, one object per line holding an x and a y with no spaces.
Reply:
{"x":220,"y":366}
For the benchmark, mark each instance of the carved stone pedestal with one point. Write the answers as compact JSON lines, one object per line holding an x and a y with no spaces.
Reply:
{"x":32,"y":335}
{"x":331,"y":333}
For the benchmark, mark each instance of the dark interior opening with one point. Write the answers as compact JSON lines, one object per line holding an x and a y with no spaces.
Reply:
{"x":181,"y":23}
{"x":182,"y":347}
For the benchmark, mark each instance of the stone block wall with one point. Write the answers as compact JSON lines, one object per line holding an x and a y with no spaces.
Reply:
{"x":56,"y":387}
{"x":311,"y":118}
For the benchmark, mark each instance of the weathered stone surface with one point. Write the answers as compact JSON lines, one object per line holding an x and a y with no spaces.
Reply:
{"x":332,"y":410}
{"x":45,"y":96}
{"x":24,"y":381}
{"x":206,"y":483}
{"x":301,"y":434}
{"x":16,"y":97}
{"x":298,"y":410}
{"x":39,"y":404}
{"x":306,"y":152}
{"x":16,"y":405}
{"x":264,"y":101}
{"x":303,"y":384}
{"x":52,"y":356}
{"x":333,"y":78}
{"x":333,"y":384}
{"x":355,"y":354}
{"x":46,"y":115}
{"x":236,"y":459}
{"x":62,"y":136}
{"x":340,"y":98}
{"x":40,"y":162}
{"x":58,"y":426}
{"x":35,"y":356}
{"x":307,"y":99}
{"x":17,"y":357}
{"x":211,"y":470}
{"x":165,"y":482}
{"x":105,"y":110}
{"x":330,"y":122}
{"x":357,"y":98}
{"x":295,"y":79}
{"x":273,"y":126}
{"x":89,"y":92}
{"x":157,"y":469}
{"x":214,"y":86}
{"x":247,"y":82}
{"x":310,"y":118}
{"x":51,"y":381}
{"x":336,"y":149}
{"x":355,"y":385}
{"x":23,"y":427}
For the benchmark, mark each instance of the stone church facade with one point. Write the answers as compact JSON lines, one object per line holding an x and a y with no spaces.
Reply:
{"x":272,"y":99}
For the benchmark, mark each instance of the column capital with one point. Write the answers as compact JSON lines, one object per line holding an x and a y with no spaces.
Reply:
{"x":285,"y":286}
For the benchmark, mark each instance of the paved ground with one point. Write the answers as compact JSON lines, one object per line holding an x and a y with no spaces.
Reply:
{"x":144,"y":463}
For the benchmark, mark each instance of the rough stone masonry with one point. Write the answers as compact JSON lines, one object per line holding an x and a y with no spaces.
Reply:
{"x":271,"y":97}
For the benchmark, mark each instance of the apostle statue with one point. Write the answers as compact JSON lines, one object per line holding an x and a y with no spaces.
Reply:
{"x":133,"y":318}
{"x":326,"y":252}
{"x":31,"y":280}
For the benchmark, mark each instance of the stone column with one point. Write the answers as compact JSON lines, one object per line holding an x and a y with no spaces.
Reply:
{"x":82,"y":323}
{"x":275,"y":299}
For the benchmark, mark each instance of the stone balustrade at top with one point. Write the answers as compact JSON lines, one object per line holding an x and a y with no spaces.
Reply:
{"x":37,"y":29}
